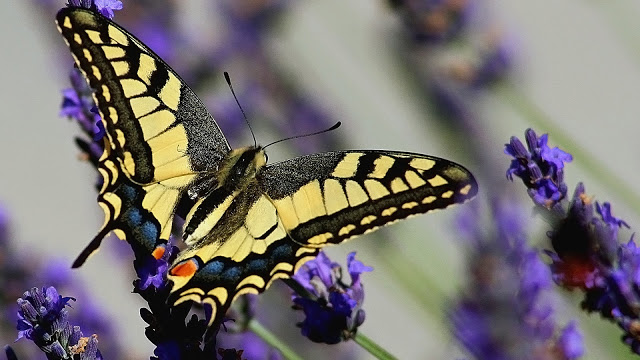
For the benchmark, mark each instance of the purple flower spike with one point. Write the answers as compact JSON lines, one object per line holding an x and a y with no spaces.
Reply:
{"x":587,"y":253}
{"x":43,"y":318}
{"x":540,"y":168}
{"x":336,"y":313}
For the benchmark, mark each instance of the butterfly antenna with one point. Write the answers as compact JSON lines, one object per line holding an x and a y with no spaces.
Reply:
{"x":228,"y":79}
{"x":335,"y":126}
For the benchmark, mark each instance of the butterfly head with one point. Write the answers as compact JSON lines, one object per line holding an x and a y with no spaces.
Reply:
{"x":244,"y":163}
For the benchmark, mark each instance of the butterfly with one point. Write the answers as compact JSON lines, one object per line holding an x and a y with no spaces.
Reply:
{"x":249,"y":223}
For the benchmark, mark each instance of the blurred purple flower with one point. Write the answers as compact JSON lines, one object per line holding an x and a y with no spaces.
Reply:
{"x":571,"y":341}
{"x":334,"y":313}
{"x":432,"y":21}
{"x":19,"y":271}
{"x":4,"y":226}
{"x":495,"y":60}
{"x":505,"y":312}
{"x":43,"y":318}
{"x":78,"y":104}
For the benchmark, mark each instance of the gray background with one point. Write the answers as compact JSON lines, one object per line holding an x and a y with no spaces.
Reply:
{"x":571,"y":61}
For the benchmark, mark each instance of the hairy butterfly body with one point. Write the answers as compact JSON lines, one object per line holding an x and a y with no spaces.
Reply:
{"x":250,"y":223}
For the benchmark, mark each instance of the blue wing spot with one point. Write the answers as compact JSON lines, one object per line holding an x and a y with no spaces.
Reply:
{"x":232,"y":274}
{"x":282,"y":251}
{"x":213,"y":267}
{"x":150,"y":231}
{"x":133,"y":216}
{"x":128,"y":192}
{"x":257,"y":265}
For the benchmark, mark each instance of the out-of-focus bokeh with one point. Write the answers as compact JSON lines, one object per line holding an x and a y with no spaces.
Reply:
{"x":577,"y":62}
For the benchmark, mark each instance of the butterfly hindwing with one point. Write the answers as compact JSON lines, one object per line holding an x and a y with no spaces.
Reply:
{"x":241,"y":254}
{"x":141,"y":215}
{"x":156,"y":125}
{"x":330,"y":197}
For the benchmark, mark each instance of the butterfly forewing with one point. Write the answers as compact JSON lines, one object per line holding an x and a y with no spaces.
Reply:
{"x":330,"y":197}
{"x":156,"y":125}
{"x":159,"y":133}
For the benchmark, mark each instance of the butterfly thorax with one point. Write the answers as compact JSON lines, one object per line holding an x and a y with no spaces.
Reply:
{"x":236,"y":173}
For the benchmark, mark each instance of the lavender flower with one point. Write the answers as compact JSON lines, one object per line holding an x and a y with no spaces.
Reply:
{"x":335,"y":313}
{"x":540,"y":168}
{"x":78,"y":105}
{"x":19,"y":271}
{"x":152,"y":270}
{"x":587,"y":254}
{"x":174,"y":338}
{"x":434,"y":20}
{"x":505,"y":313}
{"x":589,"y":257}
{"x":43,"y":318}
{"x":104,"y":7}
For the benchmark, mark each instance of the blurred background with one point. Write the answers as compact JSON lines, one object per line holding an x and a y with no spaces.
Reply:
{"x":454,"y":80}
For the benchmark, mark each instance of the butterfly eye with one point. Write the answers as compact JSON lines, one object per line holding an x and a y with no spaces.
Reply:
{"x":241,"y":166}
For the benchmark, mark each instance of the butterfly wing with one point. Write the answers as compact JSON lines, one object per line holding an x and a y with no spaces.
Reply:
{"x":297,"y":206}
{"x":241,"y":254}
{"x":159,"y":135}
{"x":330,"y":197}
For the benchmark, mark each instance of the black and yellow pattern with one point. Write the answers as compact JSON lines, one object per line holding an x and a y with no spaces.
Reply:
{"x":250,"y":223}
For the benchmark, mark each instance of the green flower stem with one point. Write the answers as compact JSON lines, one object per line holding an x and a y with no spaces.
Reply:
{"x":594,"y":167}
{"x":373,"y":348}
{"x":270,"y":338}
{"x":273,"y":341}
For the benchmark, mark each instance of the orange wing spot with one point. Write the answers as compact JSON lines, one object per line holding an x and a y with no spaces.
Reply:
{"x":186,"y":268}
{"x":158,"y":252}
